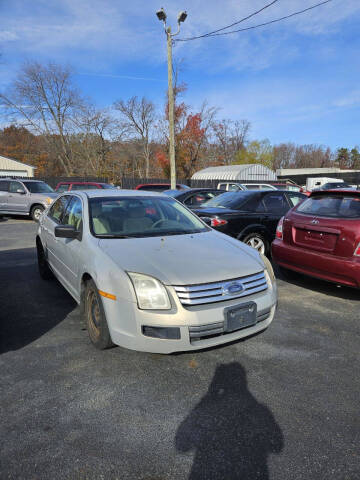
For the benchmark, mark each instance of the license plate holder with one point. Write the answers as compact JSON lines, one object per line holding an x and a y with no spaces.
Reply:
{"x":240,"y":316}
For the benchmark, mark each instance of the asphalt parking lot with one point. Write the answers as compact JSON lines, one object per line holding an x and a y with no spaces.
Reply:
{"x":281,"y":405}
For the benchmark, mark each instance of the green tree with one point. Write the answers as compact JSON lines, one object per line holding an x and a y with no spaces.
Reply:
{"x":343,"y":157}
{"x":257,"y":151}
{"x":355,"y":158}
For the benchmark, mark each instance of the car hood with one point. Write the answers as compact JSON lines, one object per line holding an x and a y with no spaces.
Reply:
{"x":184,"y":259}
{"x":45,"y":195}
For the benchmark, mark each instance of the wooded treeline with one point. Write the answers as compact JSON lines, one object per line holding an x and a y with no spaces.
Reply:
{"x":55,"y":128}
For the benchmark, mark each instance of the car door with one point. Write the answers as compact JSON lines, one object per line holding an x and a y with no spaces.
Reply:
{"x":4,"y":193}
{"x":276,"y":205}
{"x":52,"y":244}
{"x":70,"y":249}
{"x":17,"y":198}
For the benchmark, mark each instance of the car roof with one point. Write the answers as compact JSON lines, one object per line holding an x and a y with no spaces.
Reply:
{"x":21,"y":180}
{"x":118,"y":193}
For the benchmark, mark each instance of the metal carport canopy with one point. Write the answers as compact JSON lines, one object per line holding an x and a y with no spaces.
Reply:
{"x":252,"y":172}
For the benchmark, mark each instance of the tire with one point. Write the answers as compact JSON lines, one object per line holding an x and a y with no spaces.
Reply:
{"x":95,"y":318}
{"x":257,"y":241}
{"x":36,"y":211}
{"x":44,"y":269}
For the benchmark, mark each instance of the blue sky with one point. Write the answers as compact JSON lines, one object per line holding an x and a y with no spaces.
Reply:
{"x":297,"y":80}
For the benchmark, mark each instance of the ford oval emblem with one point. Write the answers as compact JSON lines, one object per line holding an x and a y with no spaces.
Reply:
{"x":232,"y":288}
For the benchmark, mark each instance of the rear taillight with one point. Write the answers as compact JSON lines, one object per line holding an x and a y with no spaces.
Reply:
{"x":217,"y":222}
{"x":357,"y":251}
{"x":279,"y":229}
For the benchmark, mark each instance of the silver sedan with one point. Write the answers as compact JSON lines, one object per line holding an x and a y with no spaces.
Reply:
{"x":150,"y":275}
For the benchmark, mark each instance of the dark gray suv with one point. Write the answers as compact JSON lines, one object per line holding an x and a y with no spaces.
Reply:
{"x":25,"y":197}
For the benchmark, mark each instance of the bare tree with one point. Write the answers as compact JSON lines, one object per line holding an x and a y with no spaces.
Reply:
{"x":97,"y":130}
{"x":138,"y":116}
{"x":231,"y":137}
{"x":43,"y":98}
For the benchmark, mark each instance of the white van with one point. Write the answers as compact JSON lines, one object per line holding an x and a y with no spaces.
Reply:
{"x":317,"y":182}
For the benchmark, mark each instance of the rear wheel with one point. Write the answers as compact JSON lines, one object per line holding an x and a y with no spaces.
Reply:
{"x":95,"y":318}
{"x":44,"y":269}
{"x":36,"y":212}
{"x":257,"y":241}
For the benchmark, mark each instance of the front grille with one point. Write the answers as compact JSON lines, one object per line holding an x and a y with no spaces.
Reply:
{"x":204,"y":332}
{"x":214,"y":292}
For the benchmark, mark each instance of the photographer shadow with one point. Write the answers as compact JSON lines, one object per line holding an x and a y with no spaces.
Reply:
{"x":231,"y":433}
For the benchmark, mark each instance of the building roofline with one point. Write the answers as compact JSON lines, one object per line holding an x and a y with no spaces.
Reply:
{"x":17,"y":161}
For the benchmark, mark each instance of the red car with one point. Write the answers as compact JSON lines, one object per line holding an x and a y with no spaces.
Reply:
{"x":159,"y":187}
{"x":320,"y":237}
{"x":67,"y":186}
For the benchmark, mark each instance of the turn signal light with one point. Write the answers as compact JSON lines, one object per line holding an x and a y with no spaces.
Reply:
{"x":279,"y":229}
{"x":357,"y":251}
{"x":217,"y":222}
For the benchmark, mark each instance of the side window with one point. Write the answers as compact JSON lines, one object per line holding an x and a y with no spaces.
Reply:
{"x":73,"y":213}
{"x":4,"y":186}
{"x":15,"y":186}
{"x":275,"y":203}
{"x":63,"y":188}
{"x":294,"y":199}
{"x":84,"y":186}
{"x":198,"y":198}
{"x":57,"y":209}
{"x":254,"y":204}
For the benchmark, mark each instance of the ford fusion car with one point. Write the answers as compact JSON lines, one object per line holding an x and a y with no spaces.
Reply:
{"x":150,"y":275}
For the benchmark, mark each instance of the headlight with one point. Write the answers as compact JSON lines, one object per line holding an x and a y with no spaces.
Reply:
{"x":269,"y":272}
{"x":49,"y":200}
{"x":150,"y":293}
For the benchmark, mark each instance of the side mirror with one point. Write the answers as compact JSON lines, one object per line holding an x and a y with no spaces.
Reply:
{"x":67,"y":231}
{"x":20,"y":190}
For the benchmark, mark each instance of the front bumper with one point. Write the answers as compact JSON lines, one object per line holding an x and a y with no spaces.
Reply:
{"x":126,"y":320}
{"x":344,"y":271}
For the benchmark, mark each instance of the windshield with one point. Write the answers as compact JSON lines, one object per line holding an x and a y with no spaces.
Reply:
{"x":38,"y":187}
{"x":336,"y":206}
{"x":125,"y":217}
{"x":227,"y":200}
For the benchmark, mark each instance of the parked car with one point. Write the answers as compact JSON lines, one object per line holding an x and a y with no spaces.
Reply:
{"x":258,"y":186}
{"x":230,"y":186}
{"x":70,"y":186}
{"x":249,"y":216}
{"x":193,"y":197}
{"x":288,"y":186}
{"x":25,"y":197}
{"x":159,"y":187}
{"x":321,"y":237}
{"x":117,"y":253}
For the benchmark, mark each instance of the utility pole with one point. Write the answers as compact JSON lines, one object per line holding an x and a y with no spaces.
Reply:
{"x":181,"y":18}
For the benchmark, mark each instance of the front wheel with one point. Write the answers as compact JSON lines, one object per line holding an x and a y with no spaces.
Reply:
{"x":257,"y":241}
{"x":36,"y":212}
{"x":44,"y":269}
{"x":95,"y":318}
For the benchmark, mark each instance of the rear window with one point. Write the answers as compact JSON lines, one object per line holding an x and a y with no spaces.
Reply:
{"x":335,"y":206}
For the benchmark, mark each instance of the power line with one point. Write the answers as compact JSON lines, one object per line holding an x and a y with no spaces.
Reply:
{"x":254,"y":26}
{"x":235,"y":23}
